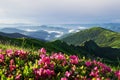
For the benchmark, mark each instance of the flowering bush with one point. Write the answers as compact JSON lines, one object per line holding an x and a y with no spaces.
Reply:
{"x":21,"y":65}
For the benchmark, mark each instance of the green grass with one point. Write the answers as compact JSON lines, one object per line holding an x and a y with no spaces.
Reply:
{"x":27,"y":43}
{"x":60,"y":46}
{"x":103,"y":37}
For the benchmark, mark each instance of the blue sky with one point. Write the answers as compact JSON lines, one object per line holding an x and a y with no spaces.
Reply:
{"x":59,"y":11}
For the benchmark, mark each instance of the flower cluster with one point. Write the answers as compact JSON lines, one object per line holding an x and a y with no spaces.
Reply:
{"x":117,"y":74}
{"x":74,"y":59}
{"x":22,"y":65}
{"x":98,"y":70}
{"x":1,"y":58}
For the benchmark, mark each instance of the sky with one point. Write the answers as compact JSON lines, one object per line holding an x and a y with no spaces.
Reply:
{"x":59,"y":11}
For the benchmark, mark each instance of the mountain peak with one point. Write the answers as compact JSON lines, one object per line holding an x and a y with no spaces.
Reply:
{"x":99,"y":29}
{"x":101,"y":36}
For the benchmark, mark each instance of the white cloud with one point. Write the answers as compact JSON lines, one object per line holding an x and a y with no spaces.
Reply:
{"x":59,"y":11}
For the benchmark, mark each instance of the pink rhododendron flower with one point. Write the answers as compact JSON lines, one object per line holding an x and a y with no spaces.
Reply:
{"x":94,"y":73}
{"x":22,"y":54}
{"x":88,"y":63}
{"x":9,"y":52}
{"x":67,"y":74}
{"x":43,"y":72}
{"x":40,"y":71}
{"x":12,"y":67}
{"x":42,"y":50}
{"x":58,"y":56}
{"x":74,"y":59}
{"x":52,"y":72}
{"x":73,"y":68}
{"x":49,"y":72}
{"x":117,"y":74}
{"x":18,"y":77}
{"x":42,"y":55}
{"x":17,"y":53}
{"x":40,"y":62}
{"x":11,"y":62}
{"x":95,"y":62}
{"x":53,"y":55}
{"x":44,"y":60}
{"x":104,"y":67}
{"x":64,"y":78}
{"x":64,"y":63}
{"x":1,"y":58}
{"x":98,"y":79}
{"x":51,"y":66}
{"x":96,"y":68}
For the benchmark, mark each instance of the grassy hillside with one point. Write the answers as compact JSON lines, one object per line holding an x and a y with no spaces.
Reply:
{"x":103,"y":37}
{"x":103,"y":52}
{"x":57,"y":46}
{"x":89,"y":49}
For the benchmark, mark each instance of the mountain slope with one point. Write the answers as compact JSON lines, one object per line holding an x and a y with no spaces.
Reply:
{"x":36,"y":44}
{"x":90,"y":49}
{"x":103,"y":52}
{"x":103,"y":37}
{"x":13,"y":35}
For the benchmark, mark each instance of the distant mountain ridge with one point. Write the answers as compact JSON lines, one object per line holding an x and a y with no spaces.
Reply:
{"x":103,"y":37}
{"x":53,"y":31}
{"x":12,"y":30}
{"x":39,"y":34}
{"x":14,"y":35}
